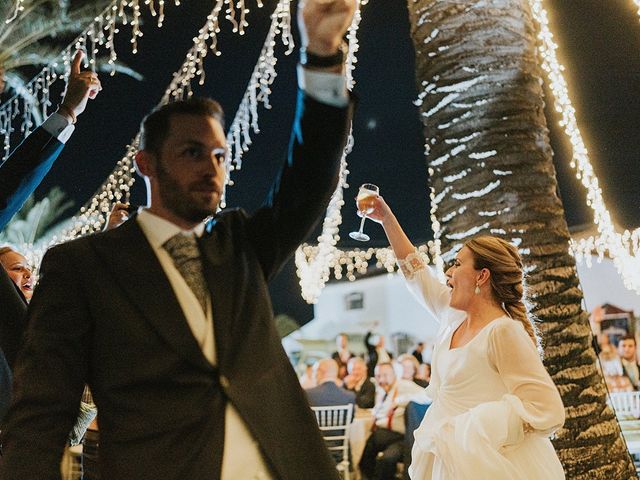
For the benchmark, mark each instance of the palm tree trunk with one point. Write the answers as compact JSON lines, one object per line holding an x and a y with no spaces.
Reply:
{"x":491,"y":171}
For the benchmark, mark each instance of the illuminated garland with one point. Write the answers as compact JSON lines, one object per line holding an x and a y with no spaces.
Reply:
{"x":315,"y":263}
{"x":100,"y":33}
{"x":259,"y":88}
{"x":622,"y":248}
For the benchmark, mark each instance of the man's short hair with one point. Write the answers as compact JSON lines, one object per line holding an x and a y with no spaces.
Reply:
{"x":154,"y":128}
{"x":628,"y":336}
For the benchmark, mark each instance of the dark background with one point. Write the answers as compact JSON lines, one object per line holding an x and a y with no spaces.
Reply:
{"x":598,"y":44}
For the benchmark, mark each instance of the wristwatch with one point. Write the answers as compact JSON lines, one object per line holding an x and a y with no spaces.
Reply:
{"x":309,"y":59}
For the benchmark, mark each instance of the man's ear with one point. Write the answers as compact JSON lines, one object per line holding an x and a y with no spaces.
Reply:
{"x":145,"y":163}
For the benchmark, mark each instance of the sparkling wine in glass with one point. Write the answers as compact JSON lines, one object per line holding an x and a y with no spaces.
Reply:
{"x":366,"y":204}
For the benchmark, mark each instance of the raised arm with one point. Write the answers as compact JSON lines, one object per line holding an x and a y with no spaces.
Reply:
{"x":422,"y":282}
{"x":28,"y":164}
{"x":310,"y":174}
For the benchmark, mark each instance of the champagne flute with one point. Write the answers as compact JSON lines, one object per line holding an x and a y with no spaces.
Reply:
{"x":366,"y":204}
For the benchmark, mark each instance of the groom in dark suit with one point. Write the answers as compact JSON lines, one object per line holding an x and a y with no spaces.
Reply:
{"x":20,"y":175}
{"x":162,"y":315}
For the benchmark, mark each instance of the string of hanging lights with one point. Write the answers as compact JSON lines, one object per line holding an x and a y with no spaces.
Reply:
{"x":117,"y":186}
{"x":621,"y":247}
{"x":100,"y":33}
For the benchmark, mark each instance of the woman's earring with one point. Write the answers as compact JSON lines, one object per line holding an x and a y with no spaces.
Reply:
{"x":477,"y":290}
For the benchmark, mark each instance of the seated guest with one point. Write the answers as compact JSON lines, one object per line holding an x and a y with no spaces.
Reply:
{"x":409,"y":366}
{"x":358,"y":382}
{"x":342,"y":355}
{"x":629,"y":360}
{"x":328,"y":393}
{"x":389,"y":429}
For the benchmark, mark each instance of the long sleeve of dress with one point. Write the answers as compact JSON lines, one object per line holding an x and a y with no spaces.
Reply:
{"x":532,"y":393}
{"x":425,"y":285}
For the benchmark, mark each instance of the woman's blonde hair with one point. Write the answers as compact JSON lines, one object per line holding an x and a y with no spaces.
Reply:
{"x":503,"y":261}
{"x":6,"y":249}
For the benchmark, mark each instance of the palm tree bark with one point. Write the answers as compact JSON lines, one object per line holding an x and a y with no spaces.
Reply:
{"x":491,"y":172}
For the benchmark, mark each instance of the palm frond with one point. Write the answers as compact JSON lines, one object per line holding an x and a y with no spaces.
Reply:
{"x":35,"y":218}
{"x":44,"y":23}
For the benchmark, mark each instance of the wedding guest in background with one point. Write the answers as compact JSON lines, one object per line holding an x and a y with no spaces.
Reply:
{"x":359,"y":382}
{"x":327,"y":392}
{"x":376,"y":353}
{"x":20,"y":175}
{"x":385,"y":446}
{"x":417,"y":352}
{"x":342,"y":355}
{"x":409,"y":367}
{"x":629,"y":359}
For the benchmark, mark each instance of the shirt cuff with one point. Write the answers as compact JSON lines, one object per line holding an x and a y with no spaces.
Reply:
{"x":328,"y":88}
{"x":59,"y":127}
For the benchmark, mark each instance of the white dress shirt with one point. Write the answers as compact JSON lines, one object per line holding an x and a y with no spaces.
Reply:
{"x":59,"y":127}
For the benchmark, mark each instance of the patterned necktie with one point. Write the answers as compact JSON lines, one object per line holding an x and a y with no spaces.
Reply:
{"x":184,"y":251}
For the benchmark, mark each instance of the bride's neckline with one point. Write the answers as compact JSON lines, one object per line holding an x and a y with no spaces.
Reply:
{"x":484,"y":327}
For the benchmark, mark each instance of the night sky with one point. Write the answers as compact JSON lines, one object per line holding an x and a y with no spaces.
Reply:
{"x":598,"y":44}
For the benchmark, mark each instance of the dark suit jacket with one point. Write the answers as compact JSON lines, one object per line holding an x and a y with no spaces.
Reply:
{"x":20,"y":175}
{"x":366,"y":396}
{"x":104,"y":313}
{"x":329,"y":394}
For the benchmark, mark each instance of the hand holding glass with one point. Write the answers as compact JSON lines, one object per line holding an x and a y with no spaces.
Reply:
{"x":366,"y":204}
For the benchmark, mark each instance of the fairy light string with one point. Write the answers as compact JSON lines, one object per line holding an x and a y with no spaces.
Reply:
{"x":621,"y":247}
{"x":32,"y":102}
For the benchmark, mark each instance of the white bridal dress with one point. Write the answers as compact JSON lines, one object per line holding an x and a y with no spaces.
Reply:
{"x":494,"y":404}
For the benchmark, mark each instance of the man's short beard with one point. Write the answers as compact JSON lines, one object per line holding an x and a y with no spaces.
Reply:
{"x":177,"y":201}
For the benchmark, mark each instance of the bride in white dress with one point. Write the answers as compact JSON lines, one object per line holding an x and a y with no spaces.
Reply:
{"x":494,"y":404}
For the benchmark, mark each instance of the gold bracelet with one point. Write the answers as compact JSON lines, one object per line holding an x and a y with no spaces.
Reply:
{"x":69,"y":111}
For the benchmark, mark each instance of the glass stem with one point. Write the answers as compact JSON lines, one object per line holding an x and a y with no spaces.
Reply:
{"x":364,"y":217}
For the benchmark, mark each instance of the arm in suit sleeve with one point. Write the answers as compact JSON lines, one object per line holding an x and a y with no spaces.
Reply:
{"x":366,"y":397}
{"x":28,"y":164}
{"x":302,"y":190}
{"x":50,"y":372}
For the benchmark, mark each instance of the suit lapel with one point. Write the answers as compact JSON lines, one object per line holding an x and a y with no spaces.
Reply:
{"x":215,"y":248}
{"x":130,"y":257}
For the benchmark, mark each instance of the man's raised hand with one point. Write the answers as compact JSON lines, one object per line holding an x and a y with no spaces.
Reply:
{"x":81,"y":86}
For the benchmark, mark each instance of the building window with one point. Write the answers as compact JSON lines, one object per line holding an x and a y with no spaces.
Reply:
{"x":354,"y":301}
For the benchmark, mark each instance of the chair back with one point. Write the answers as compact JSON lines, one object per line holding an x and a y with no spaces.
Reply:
{"x":334,"y":422}
{"x":625,"y":404}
